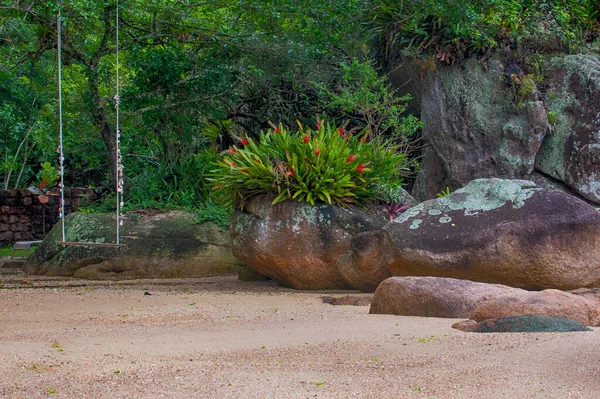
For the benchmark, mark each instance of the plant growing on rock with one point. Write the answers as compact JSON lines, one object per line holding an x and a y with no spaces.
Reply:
{"x":327,"y":164}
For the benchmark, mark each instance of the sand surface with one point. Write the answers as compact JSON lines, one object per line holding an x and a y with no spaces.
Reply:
{"x":221,"y":338}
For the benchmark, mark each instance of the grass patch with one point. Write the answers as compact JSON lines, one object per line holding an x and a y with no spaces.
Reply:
{"x":7,"y":251}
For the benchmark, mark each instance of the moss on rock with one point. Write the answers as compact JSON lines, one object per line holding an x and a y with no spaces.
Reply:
{"x":164,"y":245}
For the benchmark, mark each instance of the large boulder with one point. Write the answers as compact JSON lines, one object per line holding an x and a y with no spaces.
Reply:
{"x":497,"y":119}
{"x":298,"y":245}
{"x":552,"y":303}
{"x":433,"y":296}
{"x":475,"y":128}
{"x":572,"y":153}
{"x":164,"y":245}
{"x":497,"y":231}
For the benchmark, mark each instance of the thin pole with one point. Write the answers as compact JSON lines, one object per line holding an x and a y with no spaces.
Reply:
{"x":61,"y":158}
{"x":118,"y":167}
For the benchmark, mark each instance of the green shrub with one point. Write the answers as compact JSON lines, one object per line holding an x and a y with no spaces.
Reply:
{"x":177,"y":183}
{"x":451,"y":29}
{"x":323,"y":165}
{"x":367,"y":99}
{"x":213,"y":211}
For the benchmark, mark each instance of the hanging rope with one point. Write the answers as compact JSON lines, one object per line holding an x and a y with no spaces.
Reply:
{"x":61,"y":158}
{"x":118,"y":167}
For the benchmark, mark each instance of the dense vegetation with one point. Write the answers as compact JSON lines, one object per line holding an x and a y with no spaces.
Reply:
{"x":194,"y":76}
{"x":449,"y":30}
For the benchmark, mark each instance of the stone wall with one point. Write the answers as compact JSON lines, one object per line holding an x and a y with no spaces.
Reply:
{"x":24,"y":217}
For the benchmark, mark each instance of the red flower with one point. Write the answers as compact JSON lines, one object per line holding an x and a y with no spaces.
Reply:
{"x":360,"y":168}
{"x":351,"y":158}
{"x":341,"y":130}
{"x":318,"y":125}
{"x":244,"y":142}
{"x":289,"y":172}
{"x":277,"y":130}
{"x":233,"y":164}
{"x":244,"y":170}
{"x":232,"y":150}
{"x":317,"y":152}
{"x":306,"y":139}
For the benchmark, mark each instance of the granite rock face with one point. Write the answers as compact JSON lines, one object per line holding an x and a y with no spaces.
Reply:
{"x":572,"y":153}
{"x":480,"y":123}
{"x":474,"y":128}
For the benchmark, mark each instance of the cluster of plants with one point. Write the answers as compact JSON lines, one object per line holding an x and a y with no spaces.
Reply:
{"x":328,"y":164}
{"x":449,"y":29}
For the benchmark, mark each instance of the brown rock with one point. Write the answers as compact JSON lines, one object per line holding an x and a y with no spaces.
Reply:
{"x":552,"y":303}
{"x":362,"y":265}
{"x":507,"y":232}
{"x":466,"y":326}
{"x":433,"y":296}
{"x":298,"y":245}
{"x":589,"y":293}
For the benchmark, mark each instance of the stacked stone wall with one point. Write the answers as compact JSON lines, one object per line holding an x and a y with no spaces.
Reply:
{"x":24,"y":216}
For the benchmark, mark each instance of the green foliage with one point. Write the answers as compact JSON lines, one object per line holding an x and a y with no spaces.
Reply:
{"x":183,"y":65}
{"x":367,"y":100}
{"x":193,"y":78}
{"x":444,"y":192}
{"x":552,"y":117}
{"x":48,"y":175}
{"x":215,"y":212}
{"x":323,"y":165}
{"x":451,"y":29}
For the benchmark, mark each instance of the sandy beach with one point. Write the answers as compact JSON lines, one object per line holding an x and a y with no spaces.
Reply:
{"x":221,"y":338}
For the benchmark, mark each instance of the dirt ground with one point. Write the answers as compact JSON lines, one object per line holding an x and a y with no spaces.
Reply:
{"x":221,"y":338}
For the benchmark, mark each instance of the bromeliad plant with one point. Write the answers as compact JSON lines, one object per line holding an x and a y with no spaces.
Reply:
{"x":327,"y":164}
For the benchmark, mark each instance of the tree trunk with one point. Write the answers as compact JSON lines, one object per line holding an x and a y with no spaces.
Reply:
{"x":102,"y":122}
